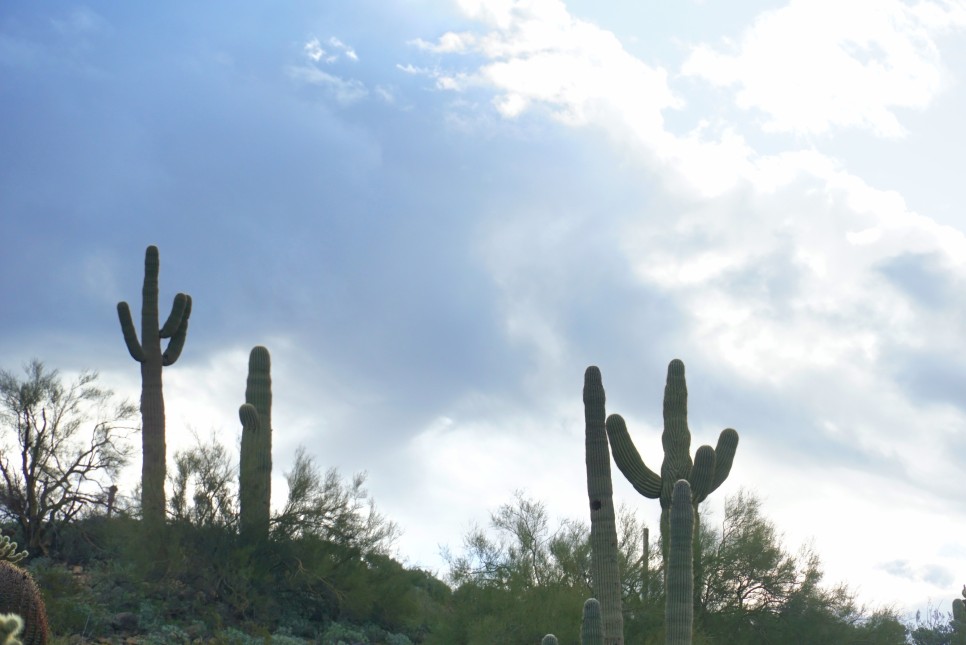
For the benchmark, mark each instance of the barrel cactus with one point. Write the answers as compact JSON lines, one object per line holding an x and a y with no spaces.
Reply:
{"x":19,"y":595}
{"x":605,"y":571}
{"x":679,"y":583}
{"x":549,"y":639}
{"x":148,"y":353}
{"x":255,"y":471}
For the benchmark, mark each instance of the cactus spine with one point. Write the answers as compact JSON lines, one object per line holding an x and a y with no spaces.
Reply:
{"x":706,"y":473}
{"x":592,"y":625}
{"x":148,"y":353}
{"x":679,"y":605}
{"x":255,"y":468}
{"x":603,"y":526}
{"x":19,"y":595}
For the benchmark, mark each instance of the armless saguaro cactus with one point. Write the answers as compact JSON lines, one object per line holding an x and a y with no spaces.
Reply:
{"x":603,"y":527}
{"x":705,"y":474}
{"x":255,"y":471}
{"x":148,"y":353}
{"x":679,"y":582}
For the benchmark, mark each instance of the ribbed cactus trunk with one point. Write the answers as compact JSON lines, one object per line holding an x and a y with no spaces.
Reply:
{"x":592,"y":625}
{"x":679,"y":605}
{"x":19,"y":595}
{"x":148,"y":353}
{"x":603,"y":526}
{"x":959,"y":620}
{"x":705,"y":474}
{"x":255,"y":467}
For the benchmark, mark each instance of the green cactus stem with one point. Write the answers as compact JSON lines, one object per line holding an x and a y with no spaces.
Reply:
{"x":19,"y":595}
{"x":592,"y":624}
{"x":959,"y":620}
{"x":605,"y":570}
{"x":148,"y":353}
{"x":679,"y":596}
{"x":255,"y":471}
{"x":8,"y":550}
{"x":706,"y":473}
{"x":549,"y":639}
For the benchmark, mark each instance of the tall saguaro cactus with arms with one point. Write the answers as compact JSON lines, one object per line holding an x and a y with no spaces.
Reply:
{"x":705,"y":473}
{"x":255,"y":472}
{"x":148,"y":353}
{"x":603,"y":527}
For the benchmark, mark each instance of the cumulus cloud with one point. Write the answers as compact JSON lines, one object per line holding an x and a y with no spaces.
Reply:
{"x":816,"y":65}
{"x":776,"y":257}
{"x":344,"y":91}
{"x":313,"y":49}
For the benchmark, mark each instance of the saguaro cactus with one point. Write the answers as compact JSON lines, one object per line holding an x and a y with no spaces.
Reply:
{"x":255,"y":471}
{"x":603,"y":527}
{"x":19,"y":595}
{"x":549,"y":639}
{"x":148,"y":353}
{"x":592,"y":625}
{"x":679,"y":606}
{"x":705,"y":474}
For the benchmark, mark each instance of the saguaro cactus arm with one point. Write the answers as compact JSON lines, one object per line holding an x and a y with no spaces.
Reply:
{"x":178,"y":321}
{"x":724,"y":457}
{"x":644,"y":480}
{"x":130,"y":334}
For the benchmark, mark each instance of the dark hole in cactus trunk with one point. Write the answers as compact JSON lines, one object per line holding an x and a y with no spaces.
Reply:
{"x":595,"y":505}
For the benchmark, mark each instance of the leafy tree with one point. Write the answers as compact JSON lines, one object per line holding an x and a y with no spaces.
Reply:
{"x":932,"y":627}
{"x":205,"y":474}
{"x":62,"y":444}
{"x":327,"y":507}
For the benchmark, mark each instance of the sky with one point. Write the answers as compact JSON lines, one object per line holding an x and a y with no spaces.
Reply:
{"x":437,"y":213}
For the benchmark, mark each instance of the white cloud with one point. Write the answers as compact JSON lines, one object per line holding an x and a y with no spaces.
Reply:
{"x":314,"y":50}
{"x":814,"y":65}
{"x":342,"y":90}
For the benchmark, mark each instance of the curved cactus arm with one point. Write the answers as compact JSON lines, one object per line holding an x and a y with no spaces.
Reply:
{"x":702,"y":473}
{"x":644,"y":480}
{"x":679,"y":600}
{"x":130,"y":334}
{"x":724,"y":456}
{"x":173,"y":323}
{"x":173,"y":351}
{"x":592,"y":625}
{"x":248,"y":416}
{"x":549,"y":639}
